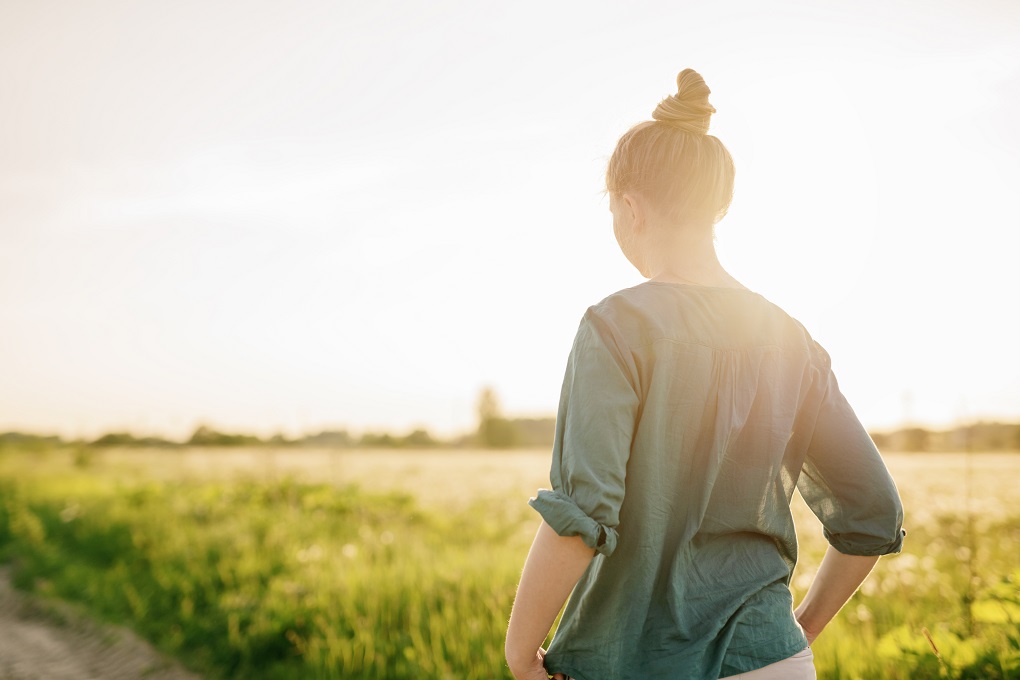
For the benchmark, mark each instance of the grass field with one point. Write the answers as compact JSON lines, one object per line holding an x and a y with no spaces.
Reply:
{"x":385,"y":564}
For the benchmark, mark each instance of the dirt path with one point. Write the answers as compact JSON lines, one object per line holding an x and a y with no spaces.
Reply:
{"x":40,"y":640}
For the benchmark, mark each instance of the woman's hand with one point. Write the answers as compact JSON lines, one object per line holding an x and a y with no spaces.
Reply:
{"x":837,"y":579}
{"x":533,"y":668}
{"x":809,"y":634}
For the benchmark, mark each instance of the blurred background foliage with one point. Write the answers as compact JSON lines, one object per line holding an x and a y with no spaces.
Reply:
{"x":340,"y":572}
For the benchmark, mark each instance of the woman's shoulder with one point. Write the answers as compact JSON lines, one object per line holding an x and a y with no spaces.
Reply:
{"x":727,"y":318}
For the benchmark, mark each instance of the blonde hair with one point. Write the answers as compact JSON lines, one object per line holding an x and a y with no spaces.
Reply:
{"x":672,"y":160}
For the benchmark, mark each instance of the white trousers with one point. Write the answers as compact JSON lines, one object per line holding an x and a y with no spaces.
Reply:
{"x":800,"y":666}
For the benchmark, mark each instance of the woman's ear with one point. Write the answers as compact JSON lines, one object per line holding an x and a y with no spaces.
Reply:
{"x":636,"y":209}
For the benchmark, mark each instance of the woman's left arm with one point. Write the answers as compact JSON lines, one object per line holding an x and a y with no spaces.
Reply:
{"x":554,"y":565}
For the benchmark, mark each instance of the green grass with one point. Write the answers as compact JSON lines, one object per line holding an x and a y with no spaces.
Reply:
{"x":241,"y":576}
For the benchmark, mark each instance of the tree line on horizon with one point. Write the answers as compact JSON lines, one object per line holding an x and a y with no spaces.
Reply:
{"x":497,"y":431}
{"x":502,"y":433}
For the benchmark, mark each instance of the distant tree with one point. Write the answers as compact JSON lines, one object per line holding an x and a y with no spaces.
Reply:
{"x":994,"y":436}
{"x":535,"y":431}
{"x":115,"y":439}
{"x":157,"y":442}
{"x":383,"y":440}
{"x":494,"y":431}
{"x":328,"y":438}
{"x":419,"y":438}
{"x":128,"y":439}
{"x":488,"y":405}
{"x":206,"y":436}
{"x":881,"y":439}
{"x":23,"y":441}
{"x":913,"y":439}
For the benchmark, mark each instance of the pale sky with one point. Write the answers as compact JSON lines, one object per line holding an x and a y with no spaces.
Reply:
{"x":274,"y":216}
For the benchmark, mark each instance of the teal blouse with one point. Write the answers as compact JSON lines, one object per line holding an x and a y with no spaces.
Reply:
{"x":687,"y":417}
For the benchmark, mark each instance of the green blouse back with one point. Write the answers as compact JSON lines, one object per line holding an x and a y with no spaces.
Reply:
{"x":687,"y":417}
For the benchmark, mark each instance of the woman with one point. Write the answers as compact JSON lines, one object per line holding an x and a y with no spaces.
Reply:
{"x":691,"y":409}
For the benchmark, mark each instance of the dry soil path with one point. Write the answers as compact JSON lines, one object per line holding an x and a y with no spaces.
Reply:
{"x":50,"y":641}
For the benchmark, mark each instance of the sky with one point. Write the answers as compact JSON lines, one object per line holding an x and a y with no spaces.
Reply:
{"x":287,"y":217}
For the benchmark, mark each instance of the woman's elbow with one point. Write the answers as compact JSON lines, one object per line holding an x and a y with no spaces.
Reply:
{"x":880,"y":533}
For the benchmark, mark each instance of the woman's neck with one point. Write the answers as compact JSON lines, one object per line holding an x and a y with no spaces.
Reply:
{"x":686,"y":255}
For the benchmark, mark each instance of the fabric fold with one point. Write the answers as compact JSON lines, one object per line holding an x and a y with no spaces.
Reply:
{"x":863,"y":544}
{"x":567,"y":519}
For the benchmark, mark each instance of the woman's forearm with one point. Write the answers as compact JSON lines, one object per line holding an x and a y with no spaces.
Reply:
{"x":554,"y":565}
{"x":838,"y":577}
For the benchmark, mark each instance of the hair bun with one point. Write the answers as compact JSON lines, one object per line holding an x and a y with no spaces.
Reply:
{"x":688,"y":109}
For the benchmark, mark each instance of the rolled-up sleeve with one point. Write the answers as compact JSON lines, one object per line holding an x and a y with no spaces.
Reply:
{"x":846,"y":483}
{"x":594,"y":427}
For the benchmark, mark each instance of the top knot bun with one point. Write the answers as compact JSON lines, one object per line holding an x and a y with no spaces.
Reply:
{"x":688,"y":109}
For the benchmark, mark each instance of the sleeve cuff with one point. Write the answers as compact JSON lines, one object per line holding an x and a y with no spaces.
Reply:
{"x":567,"y":519}
{"x":864,"y":545}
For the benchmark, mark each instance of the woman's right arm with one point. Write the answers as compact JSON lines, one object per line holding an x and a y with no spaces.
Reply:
{"x":838,"y":578}
{"x":846,"y":484}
